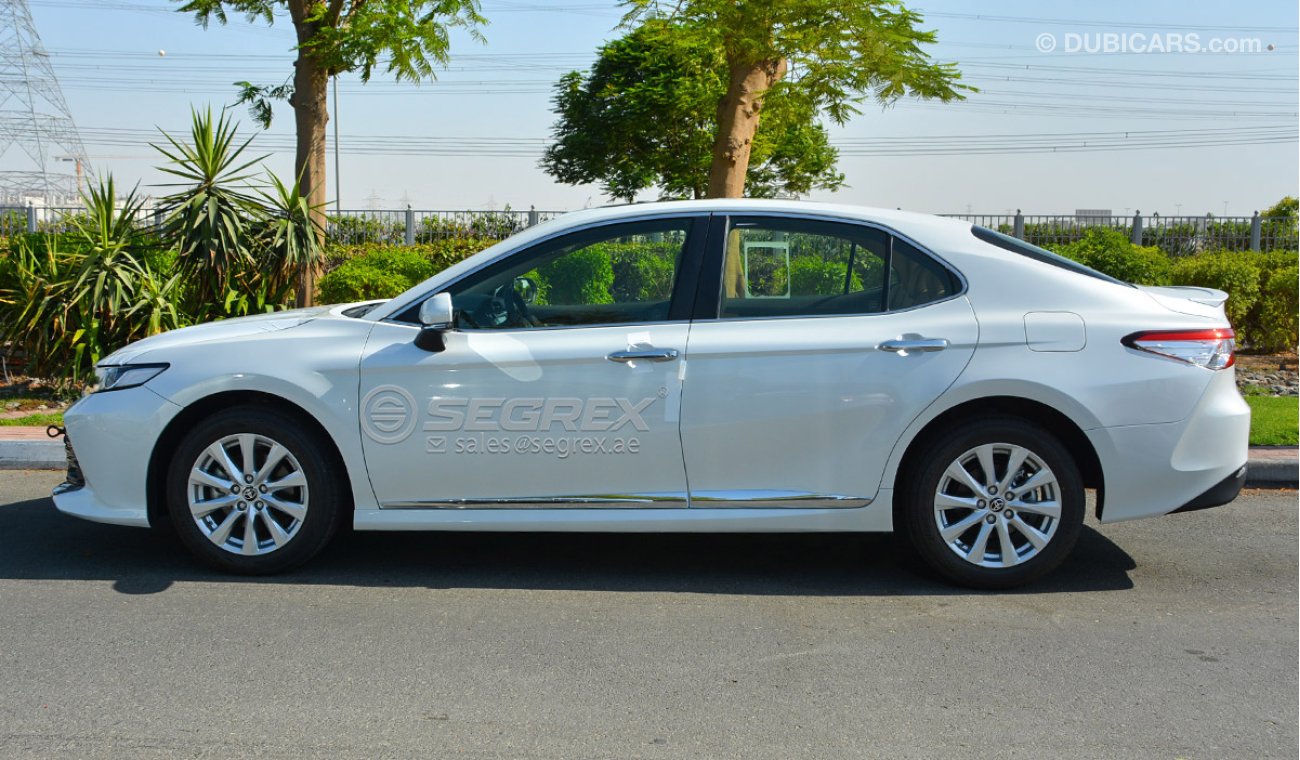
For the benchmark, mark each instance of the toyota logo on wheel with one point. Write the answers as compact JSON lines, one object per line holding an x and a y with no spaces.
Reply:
{"x":388,"y":414}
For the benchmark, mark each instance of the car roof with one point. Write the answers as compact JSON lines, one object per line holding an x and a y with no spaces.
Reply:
{"x":906,"y":222}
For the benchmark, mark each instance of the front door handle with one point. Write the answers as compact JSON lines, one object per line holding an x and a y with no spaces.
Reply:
{"x":644,"y":354}
{"x":903,"y":347}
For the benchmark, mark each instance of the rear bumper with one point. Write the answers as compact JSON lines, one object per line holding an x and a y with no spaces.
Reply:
{"x":1153,"y":470}
{"x":1221,"y":494}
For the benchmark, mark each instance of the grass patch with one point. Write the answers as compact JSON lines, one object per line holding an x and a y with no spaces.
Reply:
{"x":34,"y":420}
{"x":1273,"y":420}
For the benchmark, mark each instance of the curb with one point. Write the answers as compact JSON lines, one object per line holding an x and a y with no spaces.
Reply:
{"x":1268,"y":467}
{"x":32,"y":455}
{"x":1273,"y":467}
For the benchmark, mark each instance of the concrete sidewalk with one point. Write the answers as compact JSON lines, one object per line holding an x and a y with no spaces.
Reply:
{"x":29,"y":448}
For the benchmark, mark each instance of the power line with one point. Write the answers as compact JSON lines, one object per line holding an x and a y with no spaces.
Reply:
{"x":909,"y":145}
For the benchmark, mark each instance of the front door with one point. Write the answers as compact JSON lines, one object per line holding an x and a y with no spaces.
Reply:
{"x":560,"y":386}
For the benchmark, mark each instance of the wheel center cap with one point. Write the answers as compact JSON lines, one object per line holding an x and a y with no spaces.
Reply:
{"x":250,"y":492}
{"x":997,"y":503}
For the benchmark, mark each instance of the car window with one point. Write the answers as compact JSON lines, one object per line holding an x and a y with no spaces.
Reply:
{"x":916,"y":279}
{"x":1028,"y":250}
{"x":792,"y":267}
{"x":615,"y":274}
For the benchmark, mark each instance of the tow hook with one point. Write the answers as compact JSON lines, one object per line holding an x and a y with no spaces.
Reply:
{"x":54,"y":431}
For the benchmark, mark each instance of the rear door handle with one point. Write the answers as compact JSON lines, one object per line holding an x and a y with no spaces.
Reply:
{"x":644,"y":354}
{"x":920,"y":345}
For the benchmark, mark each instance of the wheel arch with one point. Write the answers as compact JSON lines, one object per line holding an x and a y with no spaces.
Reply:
{"x":1064,"y":428}
{"x":165,"y":446}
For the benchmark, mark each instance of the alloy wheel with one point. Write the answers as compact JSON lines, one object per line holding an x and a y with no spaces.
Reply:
{"x":247,"y":494}
{"x":997,"y":505}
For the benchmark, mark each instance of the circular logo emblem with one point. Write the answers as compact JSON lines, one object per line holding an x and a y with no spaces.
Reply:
{"x":388,"y":414}
{"x":997,"y":504}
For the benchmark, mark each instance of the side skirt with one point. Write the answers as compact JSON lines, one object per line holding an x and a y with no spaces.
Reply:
{"x":874,"y":518}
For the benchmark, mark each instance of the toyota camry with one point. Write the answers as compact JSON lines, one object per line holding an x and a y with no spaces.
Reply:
{"x":704,"y":366}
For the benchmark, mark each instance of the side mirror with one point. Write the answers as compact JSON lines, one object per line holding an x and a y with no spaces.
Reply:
{"x":436,"y":316}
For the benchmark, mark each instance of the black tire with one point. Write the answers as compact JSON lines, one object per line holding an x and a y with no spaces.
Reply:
{"x":954,"y":559}
{"x":302,"y":532}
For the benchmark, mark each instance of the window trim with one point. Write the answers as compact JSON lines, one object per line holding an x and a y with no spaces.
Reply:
{"x":708,"y":304}
{"x":693,"y":252}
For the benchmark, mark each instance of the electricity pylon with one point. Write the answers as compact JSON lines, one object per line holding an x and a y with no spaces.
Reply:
{"x":37,"y":135}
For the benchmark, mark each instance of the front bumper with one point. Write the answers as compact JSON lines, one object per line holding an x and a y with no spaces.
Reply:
{"x":113,"y":434}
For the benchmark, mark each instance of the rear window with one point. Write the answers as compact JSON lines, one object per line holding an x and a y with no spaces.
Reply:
{"x":1016,"y":245}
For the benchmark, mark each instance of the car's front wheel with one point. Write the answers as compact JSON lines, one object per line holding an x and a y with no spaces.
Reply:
{"x":250,"y":491}
{"x":994,"y":503}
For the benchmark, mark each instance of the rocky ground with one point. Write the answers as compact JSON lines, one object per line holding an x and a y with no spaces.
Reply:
{"x":1268,"y":375}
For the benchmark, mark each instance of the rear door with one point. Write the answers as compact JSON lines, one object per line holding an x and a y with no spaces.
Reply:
{"x":825,"y":340}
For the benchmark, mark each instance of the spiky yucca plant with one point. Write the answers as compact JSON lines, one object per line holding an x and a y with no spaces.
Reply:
{"x":210,"y":217}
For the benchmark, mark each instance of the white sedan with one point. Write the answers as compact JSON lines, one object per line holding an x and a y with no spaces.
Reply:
{"x":707,"y":366}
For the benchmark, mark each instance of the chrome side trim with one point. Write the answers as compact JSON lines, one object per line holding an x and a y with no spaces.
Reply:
{"x":751,"y":499}
{"x":610,"y":501}
{"x":732,"y":499}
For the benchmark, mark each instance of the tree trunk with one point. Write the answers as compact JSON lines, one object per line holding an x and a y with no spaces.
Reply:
{"x":311,"y":114}
{"x":738,"y":116}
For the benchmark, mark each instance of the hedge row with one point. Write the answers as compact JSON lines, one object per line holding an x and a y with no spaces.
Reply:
{"x":373,"y":270}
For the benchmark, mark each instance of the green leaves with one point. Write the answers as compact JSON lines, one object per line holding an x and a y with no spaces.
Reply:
{"x":208,"y":218}
{"x":406,"y":38}
{"x":822,"y":57}
{"x":65,"y":309}
{"x":645,"y":116}
{"x":241,"y":243}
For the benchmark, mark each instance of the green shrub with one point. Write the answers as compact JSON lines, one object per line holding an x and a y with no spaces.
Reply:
{"x":441,"y":253}
{"x":1279,"y":312}
{"x":373,"y":270}
{"x":1111,"y":252}
{"x":642,"y":271}
{"x":811,"y":276}
{"x":361,"y":283}
{"x":1237,"y":274}
{"x":584,"y":276}
{"x":64,"y":309}
{"x":382,"y":273}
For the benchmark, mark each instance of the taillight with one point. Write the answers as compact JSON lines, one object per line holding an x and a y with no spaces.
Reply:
{"x":1212,"y":349}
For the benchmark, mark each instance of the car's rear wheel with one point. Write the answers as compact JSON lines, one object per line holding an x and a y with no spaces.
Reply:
{"x":250,"y":491}
{"x":995,"y":503}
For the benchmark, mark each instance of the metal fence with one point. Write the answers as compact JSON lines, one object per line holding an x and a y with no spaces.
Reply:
{"x":349,"y":227}
{"x":1176,"y":235}
{"x":410,"y":226}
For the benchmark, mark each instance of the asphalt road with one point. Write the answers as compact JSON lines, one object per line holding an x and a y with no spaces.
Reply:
{"x":1167,"y":638}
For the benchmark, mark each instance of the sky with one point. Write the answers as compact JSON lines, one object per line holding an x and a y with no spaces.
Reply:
{"x":473,"y":137}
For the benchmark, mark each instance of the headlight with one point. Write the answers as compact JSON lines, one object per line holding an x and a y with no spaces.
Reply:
{"x":121,"y":376}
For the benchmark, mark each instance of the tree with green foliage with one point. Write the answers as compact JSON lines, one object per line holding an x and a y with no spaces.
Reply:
{"x":406,"y":38}
{"x":644,"y":117}
{"x":829,"y":55}
{"x":1284,"y":210}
